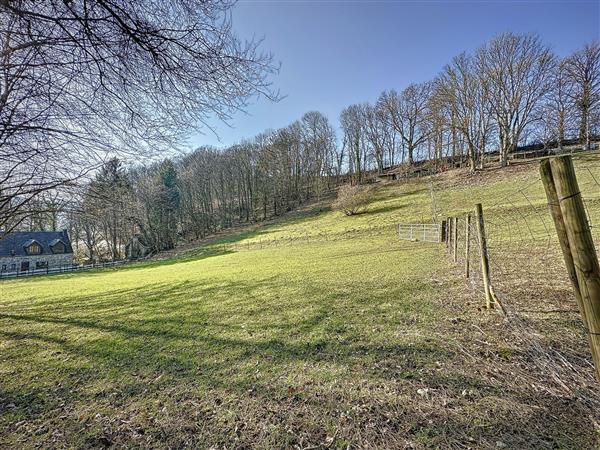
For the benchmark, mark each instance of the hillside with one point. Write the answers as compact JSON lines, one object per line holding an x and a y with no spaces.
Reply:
{"x":319,"y":331}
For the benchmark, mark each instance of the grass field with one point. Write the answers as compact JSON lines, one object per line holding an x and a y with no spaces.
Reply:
{"x":347,"y":339}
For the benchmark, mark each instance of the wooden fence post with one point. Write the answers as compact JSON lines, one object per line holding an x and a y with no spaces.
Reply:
{"x":449,"y":234}
{"x":582,"y":248}
{"x":455,"y":239}
{"x":446,"y":232}
{"x":485,"y":263}
{"x":561,"y":231}
{"x":467,"y":242}
{"x":443,"y":231}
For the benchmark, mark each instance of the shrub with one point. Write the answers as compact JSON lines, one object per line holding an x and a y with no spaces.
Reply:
{"x":353,"y":199}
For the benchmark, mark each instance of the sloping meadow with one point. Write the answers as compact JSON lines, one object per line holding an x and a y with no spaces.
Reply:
{"x":321,"y":331}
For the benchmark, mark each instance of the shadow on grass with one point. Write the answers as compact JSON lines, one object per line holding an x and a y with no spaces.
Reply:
{"x":129,"y":352}
{"x":110,"y":350}
{"x":151,"y":327}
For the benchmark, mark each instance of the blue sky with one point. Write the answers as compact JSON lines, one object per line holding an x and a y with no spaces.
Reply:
{"x":335,"y":53}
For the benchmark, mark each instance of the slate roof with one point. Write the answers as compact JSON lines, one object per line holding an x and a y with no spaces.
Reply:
{"x":14,"y":243}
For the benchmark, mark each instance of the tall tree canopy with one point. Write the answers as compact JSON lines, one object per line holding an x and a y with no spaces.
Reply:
{"x":81,"y":80}
{"x":518,"y":69}
{"x":582,"y":70}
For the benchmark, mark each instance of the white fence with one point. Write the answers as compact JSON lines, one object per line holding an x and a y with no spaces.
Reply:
{"x":61,"y":269}
{"x":426,"y":232}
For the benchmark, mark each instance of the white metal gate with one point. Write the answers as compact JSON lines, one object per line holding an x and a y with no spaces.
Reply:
{"x":426,"y":232}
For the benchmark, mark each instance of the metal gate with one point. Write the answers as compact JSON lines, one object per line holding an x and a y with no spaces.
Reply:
{"x":426,"y":232}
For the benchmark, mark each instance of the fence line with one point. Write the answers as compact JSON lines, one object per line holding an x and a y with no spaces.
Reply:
{"x":62,"y":269}
{"x":528,"y":281}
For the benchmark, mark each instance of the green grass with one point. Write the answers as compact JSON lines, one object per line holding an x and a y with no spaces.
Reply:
{"x":316,"y":344}
{"x":503,"y":192}
{"x":258,"y":324}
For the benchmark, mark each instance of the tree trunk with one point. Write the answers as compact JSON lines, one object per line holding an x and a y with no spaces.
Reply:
{"x":561,"y":130}
{"x":584,"y":135}
{"x":471,"y":156}
{"x":504,"y":148}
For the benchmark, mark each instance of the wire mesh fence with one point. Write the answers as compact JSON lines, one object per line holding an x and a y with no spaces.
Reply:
{"x":310,"y":237}
{"x":529,"y":280}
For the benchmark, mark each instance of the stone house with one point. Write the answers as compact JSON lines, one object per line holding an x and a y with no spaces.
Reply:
{"x":22,"y":251}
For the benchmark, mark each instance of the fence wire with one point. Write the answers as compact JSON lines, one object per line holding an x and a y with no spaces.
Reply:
{"x":313,"y":236}
{"x":530,"y":280}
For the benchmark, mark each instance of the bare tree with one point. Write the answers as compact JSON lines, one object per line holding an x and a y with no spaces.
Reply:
{"x":582,"y":70}
{"x":80,"y":81}
{"x":462,"y":90}
{"x":439,"y":123}
{"x":376,"y":133}
{"x":353,"y":199}
{"x":407,"y":112}
{"x":318,"y":141}
{"x":518,"y":69}
{"x":559,"y":111}
{"x":351,"y":120}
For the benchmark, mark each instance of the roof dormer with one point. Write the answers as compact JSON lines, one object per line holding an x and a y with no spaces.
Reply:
{"x":32,"y":247}
{"x":58,"y":246}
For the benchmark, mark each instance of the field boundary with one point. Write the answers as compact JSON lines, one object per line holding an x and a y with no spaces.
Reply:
{"x":513,"y":261}
{"x":64,"y":269}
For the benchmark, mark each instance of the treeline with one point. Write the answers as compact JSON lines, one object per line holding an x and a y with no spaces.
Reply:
{"x":204,"y":191}
{"x":273,"y":173}
{"x":511,"y":91}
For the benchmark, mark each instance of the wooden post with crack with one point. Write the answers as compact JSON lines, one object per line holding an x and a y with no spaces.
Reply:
{"x":581,"y":244}
{"x":559,"y":224}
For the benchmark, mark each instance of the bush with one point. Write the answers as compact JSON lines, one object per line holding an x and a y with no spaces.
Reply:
{"x":353,"y":199}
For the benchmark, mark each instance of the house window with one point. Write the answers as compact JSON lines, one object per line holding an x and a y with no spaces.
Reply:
{"x":34,"y":249}
{"x":3,"y":267}
{"x":59,"y":247}
{"x":13,"y":267}
{"x":41,"y":264}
